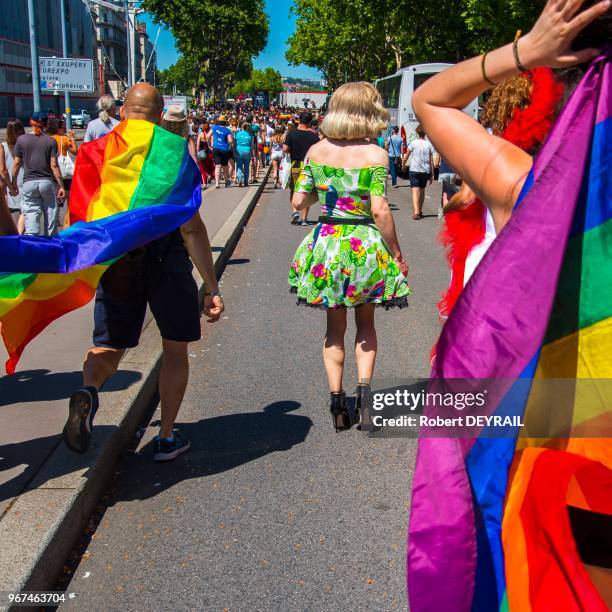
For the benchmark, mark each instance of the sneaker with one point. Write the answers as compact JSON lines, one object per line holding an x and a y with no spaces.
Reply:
{"x":167,"y":450}
{"x":228,"y":183}
{"x":81,"y":411}
{"x":395,"y":186}
{"x":304,"y":223}
{"x":295,"y":218}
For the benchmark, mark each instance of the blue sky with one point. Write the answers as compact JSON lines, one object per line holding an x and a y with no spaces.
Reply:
{"x":281,"y":27}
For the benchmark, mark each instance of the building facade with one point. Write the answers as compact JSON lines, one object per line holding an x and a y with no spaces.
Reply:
{"x":146,"y":61}
{"x":15,"y":64}
{"x":112,"y":49}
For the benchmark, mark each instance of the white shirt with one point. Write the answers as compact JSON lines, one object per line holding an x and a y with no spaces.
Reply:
{"x":477,"y":252}
{"x":420,"y":155}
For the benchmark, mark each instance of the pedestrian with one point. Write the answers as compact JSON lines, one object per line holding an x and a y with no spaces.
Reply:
{"x":244,"y":148}
{"x":7,"y":223}
{"x":14,"y":129}
{"x":43,"y":186}
{"x":352,"y":259}
{"x":394,"y":144}
{"x":232,"y":163}
{"x":221,"y":141}
{"x":159,"y":276}
{"x":66,"y":146}
{"x":420,"y":153}
{"x":447,"y":177}
{"x":175,"y":120}
{"x":204,"y":153}
{"x":106,"y":120}
{"x":276,"y":154}
{"x":297,"y":143}
{"x":254,"y":129}
{"x":499,"y":170}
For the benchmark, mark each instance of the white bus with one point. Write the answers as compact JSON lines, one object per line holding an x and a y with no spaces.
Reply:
{"x":397,"y":91}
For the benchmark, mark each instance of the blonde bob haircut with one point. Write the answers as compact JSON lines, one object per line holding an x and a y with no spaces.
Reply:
{"x":355,"y":111}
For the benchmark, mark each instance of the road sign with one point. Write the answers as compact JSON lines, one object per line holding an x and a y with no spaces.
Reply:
{"x":66,"y":74}
{"x":182,"y":101}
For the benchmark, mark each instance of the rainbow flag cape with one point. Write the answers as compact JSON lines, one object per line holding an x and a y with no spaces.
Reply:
{"x":489,"y":525}
{"x":130,"y":187}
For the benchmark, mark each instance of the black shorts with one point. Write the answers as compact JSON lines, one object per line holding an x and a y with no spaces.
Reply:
{"x":158,"y":275}
{"x":221,"y":157}
{"x":449,"y":188}
{"x":419,"y":179}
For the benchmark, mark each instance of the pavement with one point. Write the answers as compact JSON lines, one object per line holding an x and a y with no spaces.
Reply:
{"x":33,"y":402}
{"x":271,"y":509}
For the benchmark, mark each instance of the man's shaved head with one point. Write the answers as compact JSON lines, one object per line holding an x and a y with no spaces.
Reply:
{"x":143,"y":101}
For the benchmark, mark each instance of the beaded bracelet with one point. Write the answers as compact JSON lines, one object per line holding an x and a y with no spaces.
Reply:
{"x":517,"y":60}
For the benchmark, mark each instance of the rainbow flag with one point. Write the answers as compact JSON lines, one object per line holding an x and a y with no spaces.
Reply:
{"x":489,"y":526}
{"x":130,"y":187}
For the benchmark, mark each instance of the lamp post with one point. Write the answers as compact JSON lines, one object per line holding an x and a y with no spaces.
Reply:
{"x":65,"y":54}
{"x":34,"y":57}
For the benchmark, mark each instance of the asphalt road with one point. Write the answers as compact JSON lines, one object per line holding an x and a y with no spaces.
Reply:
{"x":271,"y":509}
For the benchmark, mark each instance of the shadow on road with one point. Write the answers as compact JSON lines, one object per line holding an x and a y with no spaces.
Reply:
{"x":45,"y":386}
{"x":218,"y":444}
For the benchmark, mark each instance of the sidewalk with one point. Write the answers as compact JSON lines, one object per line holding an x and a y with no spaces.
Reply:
{"x":33,"y":402}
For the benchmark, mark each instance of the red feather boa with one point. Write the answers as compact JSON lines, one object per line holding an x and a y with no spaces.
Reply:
{"x":465,"y":228}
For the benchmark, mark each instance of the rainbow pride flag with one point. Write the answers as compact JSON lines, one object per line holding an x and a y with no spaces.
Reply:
{"x":489,"y":526}
{"x":130,"y":187}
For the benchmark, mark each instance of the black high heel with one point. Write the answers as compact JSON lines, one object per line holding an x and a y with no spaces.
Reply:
{"x":362,"y":412}
{"x":341,"y":418}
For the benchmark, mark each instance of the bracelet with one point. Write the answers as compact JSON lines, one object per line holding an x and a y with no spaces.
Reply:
{"x":484,"y":72}
{"x":212,"y":294}
{"x":517,"y":60}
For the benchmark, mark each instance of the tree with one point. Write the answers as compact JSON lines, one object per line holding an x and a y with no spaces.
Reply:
{"x":366,"y":39}
{"x":268,"y":80}
{"x":492,"y":23}
{"x":218,"y":38}
{"x":179,"y":76}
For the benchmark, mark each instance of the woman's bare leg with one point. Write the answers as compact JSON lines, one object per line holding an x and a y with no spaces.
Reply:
{"x":366,"y":343}
{"x":415,"y":199}
{"x":333,"y":348}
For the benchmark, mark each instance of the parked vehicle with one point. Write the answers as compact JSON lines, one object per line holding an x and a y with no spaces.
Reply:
{"x":80,"y":119}
{"x":397,"y":91}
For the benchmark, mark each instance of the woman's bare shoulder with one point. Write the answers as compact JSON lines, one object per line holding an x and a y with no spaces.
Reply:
{"x":377,"y":155}
{"x":348,"y":155}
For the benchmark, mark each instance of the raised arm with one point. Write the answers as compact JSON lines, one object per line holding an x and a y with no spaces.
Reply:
{"x":495,"y":168}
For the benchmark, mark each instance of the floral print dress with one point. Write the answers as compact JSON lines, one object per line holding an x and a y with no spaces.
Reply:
{"x":345,"y":265}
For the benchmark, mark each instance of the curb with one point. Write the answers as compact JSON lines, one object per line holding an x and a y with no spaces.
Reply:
{"x":44,"y":523}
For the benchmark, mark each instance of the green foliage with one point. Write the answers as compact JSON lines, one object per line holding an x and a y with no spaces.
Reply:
{"x":366,"y":39}
{"x":180,"y":74}
{"x":219,"y":39}
{"x":268,"y":80}
{"x":494,"y":22}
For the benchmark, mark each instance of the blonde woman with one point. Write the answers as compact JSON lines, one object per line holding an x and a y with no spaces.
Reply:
{"x":106,"y":120}
{"x":352,"y":258}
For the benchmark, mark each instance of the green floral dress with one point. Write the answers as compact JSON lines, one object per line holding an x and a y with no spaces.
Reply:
{"x":345,"y":265}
